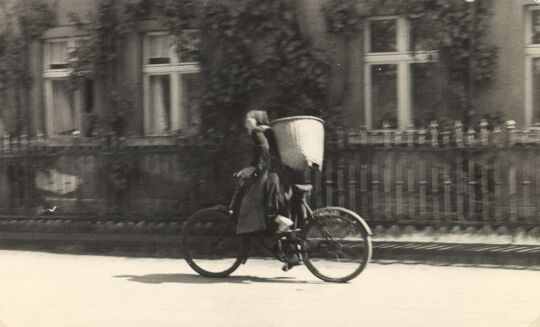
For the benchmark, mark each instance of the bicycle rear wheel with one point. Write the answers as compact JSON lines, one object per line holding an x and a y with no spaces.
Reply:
{"x":336,"y":245}
{"x":211,"y":246}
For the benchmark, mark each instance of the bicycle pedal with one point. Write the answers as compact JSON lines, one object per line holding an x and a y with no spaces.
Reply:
{"x":285,"y":232}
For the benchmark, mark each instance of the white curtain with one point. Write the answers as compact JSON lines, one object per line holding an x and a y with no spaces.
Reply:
{"x":160,"y":103}
{"x":58,"y":53}
{"x":159,"y":46}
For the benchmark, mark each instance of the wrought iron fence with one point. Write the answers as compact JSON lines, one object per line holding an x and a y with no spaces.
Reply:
{"x":415,"y":176}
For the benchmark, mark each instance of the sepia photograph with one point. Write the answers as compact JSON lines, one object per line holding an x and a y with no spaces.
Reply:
{"x":270,"y":163}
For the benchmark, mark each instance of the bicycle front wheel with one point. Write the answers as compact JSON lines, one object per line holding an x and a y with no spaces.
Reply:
{"x":211,"y":246}
{"x":336,"y":244}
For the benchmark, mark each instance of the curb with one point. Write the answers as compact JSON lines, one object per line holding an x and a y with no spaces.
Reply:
{"x":470,"y":253}
{"x":155,"y":245}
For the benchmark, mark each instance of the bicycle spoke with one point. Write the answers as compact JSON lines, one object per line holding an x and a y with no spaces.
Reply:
{"x":210,"y":244}
{"x":335,"y":246}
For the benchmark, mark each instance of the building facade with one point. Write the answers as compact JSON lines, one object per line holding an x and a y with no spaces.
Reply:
{"x":388,"y":82}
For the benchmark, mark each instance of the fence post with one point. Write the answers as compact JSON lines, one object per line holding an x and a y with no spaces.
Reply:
{"x":352,"y":183}
{"x":6,"y":144}
{"x":422,"y":187}
{"x":340,"y":181}
{"x":399,"y":186}
{"x":511,"y":131}
{"x":387,"y":134}
{"x":375,"y":189}
{"x":512,"y":185}
{"x":434,"y":133}
{"x":410,"y":136}
{"x":471,"y":134}
{"x":484,"y":168}
{"x":458,"y":132}
{"x":447,"y":189}
{"x":526,"y":183}
{"x":498,"y":188}
{"x":411,"y":164}
{"x":386,"y":185}
{"x":329,"y":182}
{"x":435,"y":190}
{"x":484,"y":133}
{"x":364,"y":191}
{"x":472,"y":187}
{"x":460,"y":186}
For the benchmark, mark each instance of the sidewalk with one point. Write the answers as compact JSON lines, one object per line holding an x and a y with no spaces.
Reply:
{"x":482,"y":246}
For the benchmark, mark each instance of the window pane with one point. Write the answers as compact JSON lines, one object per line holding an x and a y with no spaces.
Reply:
{"x":535,"y":26}
{"x":158,"y":49}
{"x":160,"y":104}
{"x":384,"y":95}
{"x":191,"y":88}
{"x":425,"y":93}
{"x":65,"y":113}
{"x":536,"y":90}
{"x":57,"y":55}
{"x":383,"y":35}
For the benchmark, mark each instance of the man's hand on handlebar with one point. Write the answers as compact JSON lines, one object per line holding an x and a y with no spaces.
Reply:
{"x":245,"y":173}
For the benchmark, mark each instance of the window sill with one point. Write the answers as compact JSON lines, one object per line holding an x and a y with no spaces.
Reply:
{"x":65,"y":141}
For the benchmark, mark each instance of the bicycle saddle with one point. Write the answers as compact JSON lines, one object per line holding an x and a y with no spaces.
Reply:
{"x":302,"y":188}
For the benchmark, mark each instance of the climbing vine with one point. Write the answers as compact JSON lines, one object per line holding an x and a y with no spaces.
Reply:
{"x":20,"y":25}
{"x":97,"y":57}
{"x":261,"y":59}
{"x":442,"y":25}
{"x":252,"y":54}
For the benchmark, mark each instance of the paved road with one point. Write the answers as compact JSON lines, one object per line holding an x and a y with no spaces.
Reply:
{"x":42,"y":289}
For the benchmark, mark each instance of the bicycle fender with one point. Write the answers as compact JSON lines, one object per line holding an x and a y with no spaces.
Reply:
{"x":221,"y":207}
{"x":349,"y":212}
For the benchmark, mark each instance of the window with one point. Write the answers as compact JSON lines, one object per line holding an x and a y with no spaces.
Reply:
{"x":535,"y":26}
{"x":532,"y":65}
{"x":171,"y":82}
{"x":64,"y":105}
{"x":397,"y":79}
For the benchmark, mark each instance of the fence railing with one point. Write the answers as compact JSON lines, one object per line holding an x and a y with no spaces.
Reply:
{"x":421,"y":176}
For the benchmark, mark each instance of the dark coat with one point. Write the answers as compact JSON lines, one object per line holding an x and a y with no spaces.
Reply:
{"x":264,"y":192}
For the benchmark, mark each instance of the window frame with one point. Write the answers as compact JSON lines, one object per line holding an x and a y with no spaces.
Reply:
{"x":49,"y":75}
{"x":532,"y":51}
{"x":403,"y":58}
{"x":174,"y":69}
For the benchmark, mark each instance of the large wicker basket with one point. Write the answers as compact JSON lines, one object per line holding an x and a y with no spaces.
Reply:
{"x":300,"y":140}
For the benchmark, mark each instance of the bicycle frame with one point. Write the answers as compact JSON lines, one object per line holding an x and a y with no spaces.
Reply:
{"x":301,"y":241}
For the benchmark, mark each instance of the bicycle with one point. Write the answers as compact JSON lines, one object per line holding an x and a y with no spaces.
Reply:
{"x":334,"y":243}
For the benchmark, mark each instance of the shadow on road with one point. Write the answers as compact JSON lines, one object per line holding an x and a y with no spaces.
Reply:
{"x":196,"y":279}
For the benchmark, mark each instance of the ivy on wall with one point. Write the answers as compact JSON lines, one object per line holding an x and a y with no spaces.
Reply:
{"x":20,"y":24}
{"x":443,"y":25}
{"x":252,"y":54}
{"x":261,"y":59}
{"x":97,"y":58}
